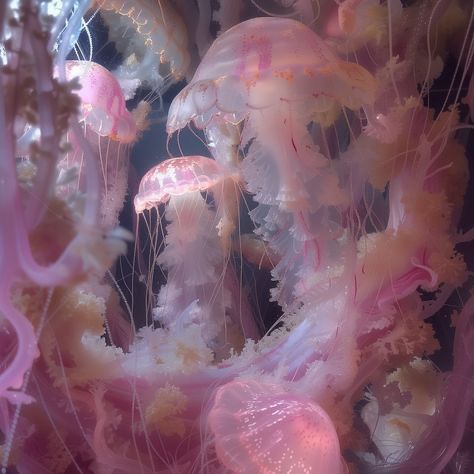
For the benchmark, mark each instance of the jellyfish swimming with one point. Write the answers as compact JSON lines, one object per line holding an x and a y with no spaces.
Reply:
{"x":236,"y":236}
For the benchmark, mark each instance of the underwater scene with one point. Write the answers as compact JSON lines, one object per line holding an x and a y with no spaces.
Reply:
{"x":236,"y":236}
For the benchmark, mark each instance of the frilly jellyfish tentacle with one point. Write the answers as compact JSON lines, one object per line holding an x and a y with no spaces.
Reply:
{"x":49,"y":126}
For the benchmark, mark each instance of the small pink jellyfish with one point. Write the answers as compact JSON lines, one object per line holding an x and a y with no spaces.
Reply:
{"x":263,"y":429}
{"x":175,"y":177}
{"x":197,"y":245}
{"x":110,"y":129}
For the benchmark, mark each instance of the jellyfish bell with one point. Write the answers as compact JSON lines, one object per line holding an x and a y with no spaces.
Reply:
{"x":178,"y":176}
{"x":261,"y":428}
{"x":261,"y":62}
{"x":102,"y":101}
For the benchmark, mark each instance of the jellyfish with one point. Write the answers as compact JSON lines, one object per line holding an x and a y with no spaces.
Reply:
{"x":110,"y":129}
{"x":197,"y":246}
{"x":262,"y":428}
{"x":281,"y":79}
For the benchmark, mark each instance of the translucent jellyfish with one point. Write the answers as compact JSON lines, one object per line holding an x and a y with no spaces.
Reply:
{"x":102,"y":102}
{"x":278,"y":77}
{"x":153,"y":40}
{"x":110,"y":129}
{"x":197,"y":245}
{"x":264,"y":429}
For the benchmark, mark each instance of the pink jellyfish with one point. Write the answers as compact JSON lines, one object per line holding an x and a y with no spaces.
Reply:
{"x":197,"y":246}
{"x":263,"y":429}
{"x":277,"y":77}
{"x":110,"y":129}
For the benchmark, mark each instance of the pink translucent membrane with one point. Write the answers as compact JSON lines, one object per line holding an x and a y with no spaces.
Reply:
{"x":176,"y":177}
{"x":103,"y":105}
{"x":263,"y":61}
{"x":261,"y":428}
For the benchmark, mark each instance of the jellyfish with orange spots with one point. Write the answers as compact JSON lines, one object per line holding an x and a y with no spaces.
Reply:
{"x":357,"y":193}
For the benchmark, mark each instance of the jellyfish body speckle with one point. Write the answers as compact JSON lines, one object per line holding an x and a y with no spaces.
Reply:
{"x":260,"y":428}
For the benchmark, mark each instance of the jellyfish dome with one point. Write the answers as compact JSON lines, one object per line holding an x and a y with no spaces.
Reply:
{"x":263,"y":61}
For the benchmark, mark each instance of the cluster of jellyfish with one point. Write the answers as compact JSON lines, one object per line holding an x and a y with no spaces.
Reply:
{"x":295,"y":296}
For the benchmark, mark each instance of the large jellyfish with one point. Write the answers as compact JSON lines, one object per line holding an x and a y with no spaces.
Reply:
{"x":282,"y":78}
